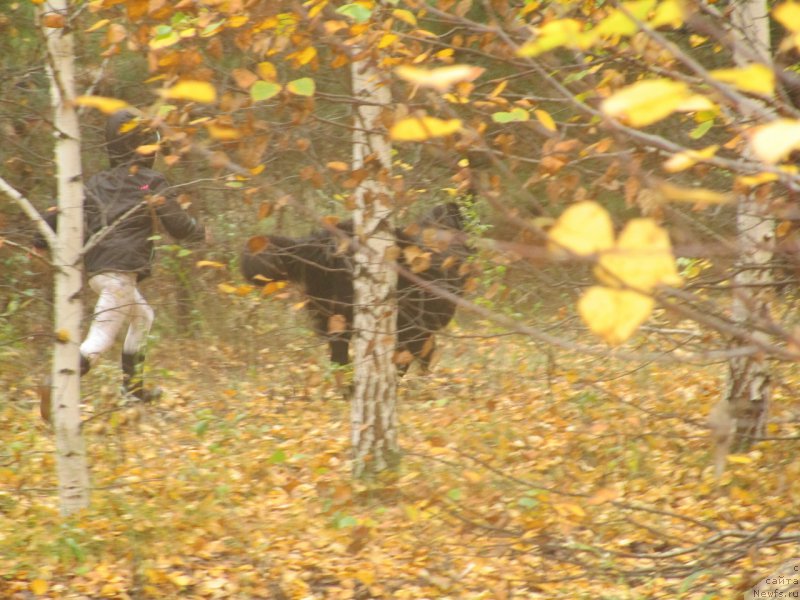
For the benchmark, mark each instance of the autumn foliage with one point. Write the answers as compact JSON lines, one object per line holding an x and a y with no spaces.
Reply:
{"x":600,"y":153}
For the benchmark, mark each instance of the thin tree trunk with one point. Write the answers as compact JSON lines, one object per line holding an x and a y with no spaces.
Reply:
{"x":71,"y":460}
{"x":739,"y":419}
{"x":374,"y":401}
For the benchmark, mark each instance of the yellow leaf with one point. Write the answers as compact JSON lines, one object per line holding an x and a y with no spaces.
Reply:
{"x":440,"y":79}
{"x":562,"y":32}
{"x":223,"y":132}
{"x":677,"y":193}
{"x":757,"y":179}
{"x":337,"y":165}
{"x":365,"y":577}
{"x":405,"y":15}
{"x":306,"y":55}
{"x":567,"y":509}
{"x":333,"y":26}
{"x":545,"y":119}
{"x":237,"y":21}
{"x":62,"y":335}
{"x":670,"y":12}
{"x":689,"y":158}
{"x":99,"y":25}
{"x":267,"y":71}
{"x":697,"y":103}
{"x":210,"y":263}
{"x":418,"y":129}
{"x":646,"y":102}
{"x":583,"y":229}
{"x":739,"y":459}
{"x":788,"y":15}
{"x":226,"y":288}
{"x":776,"y":140}
{"x":196,"y":91}
{"x":39,"y":587}
{"x":101,"y":103}
{"x":180,"y":580}
{"x":613,"y":314}
{"x":473,"y":477}
{"x":618,"y":23}
{"x":499,"y":88}
{"x":154,"y":576}
{"x":412,"y":513}
{"x":147,"y":149}
{"x":641,"y":259}
{"x":755,"y":78}
{"x":387,"y":40}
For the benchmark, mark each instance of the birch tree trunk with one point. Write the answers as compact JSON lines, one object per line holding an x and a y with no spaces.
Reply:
{"x":739,"y":418}
{"x":374,"y":401}
{"x":71,"y":460}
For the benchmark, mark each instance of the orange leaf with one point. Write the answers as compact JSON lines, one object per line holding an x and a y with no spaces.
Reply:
{"x":244,"y":78}
{"x":54,"y":20}
{"x":257,"y":244}
{"x":338,"y":166}
{"x":602,"y":496}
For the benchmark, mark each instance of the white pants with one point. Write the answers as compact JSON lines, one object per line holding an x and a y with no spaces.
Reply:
{"x":119,"y":302}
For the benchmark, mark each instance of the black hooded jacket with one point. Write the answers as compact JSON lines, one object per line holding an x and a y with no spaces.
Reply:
{"x":128,"y":203}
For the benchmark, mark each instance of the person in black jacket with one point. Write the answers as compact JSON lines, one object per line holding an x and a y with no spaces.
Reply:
{"x":123,"y":206}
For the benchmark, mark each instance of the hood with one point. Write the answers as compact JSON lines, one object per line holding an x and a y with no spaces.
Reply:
{"x":124,"y":134}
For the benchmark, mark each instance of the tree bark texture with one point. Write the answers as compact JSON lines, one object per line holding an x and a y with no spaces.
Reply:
{"x":374,"y":401}
{"x":747,"y":393}
{"x":71,"y":460}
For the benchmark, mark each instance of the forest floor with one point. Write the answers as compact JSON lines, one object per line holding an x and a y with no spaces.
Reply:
{"x":526,"y":474}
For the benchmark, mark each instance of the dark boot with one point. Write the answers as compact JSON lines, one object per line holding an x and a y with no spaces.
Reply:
{"x":132,"y":379}
{"x":45,"y":392}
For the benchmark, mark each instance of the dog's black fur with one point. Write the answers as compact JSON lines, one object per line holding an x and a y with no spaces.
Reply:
{"x":322,"y":264}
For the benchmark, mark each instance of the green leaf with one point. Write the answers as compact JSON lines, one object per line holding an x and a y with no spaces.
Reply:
{"x":455,"y":494}
{"x":341,"y":521}
{"x":264,"y":90}
{"x":514,"y":116}
{"x":77,"y":552}
{"x":304,"y":86}
{"x":701,"y":129}
{"x":357,"y":12}
{"x":528,"y":502}
{"x":278,"y":457}
{"x":212,"y":28}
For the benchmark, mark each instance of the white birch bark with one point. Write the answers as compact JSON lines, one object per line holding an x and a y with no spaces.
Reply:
{"x":374,"y":401}
{"x":71,"y":461}
{"x":739,"y":417}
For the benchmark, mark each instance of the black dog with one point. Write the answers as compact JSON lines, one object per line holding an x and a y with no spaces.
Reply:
{"x":322,"y":263}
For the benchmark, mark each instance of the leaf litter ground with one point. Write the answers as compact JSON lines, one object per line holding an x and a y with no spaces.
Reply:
{"x":526,"y":474}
